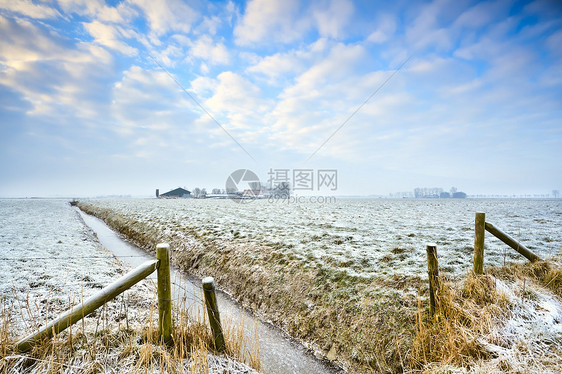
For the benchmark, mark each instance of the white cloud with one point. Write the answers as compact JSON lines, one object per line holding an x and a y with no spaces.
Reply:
{"x":320,"y":98}
{"x":427,"y":64}
{"x":170,"y":56}
{"x":463,"y":88}
{"x":109,"y":36}
{"x":241,"y":101}
{"x":203,"y":86}
{"x":22,"y":41}
{"x":270,"y":20}
{"x":29,"y":9}
{"x":386,"y":27}
{"x":482,"y":14}
{"x":285,"y":21}
{"x":210,"y":51}
{"x":60,"y":81}
{"x":332,"y":17}
{"x":146,"y":100}
{"x":165,"y":16}
{"x":554,"y":42}
{"x":338,"y":65}
{"x":209,"y":25}
{"x":278,"y":65}
{"x":552,"y":76}
{"x":97,"y":9}
{"x":428,"y":29}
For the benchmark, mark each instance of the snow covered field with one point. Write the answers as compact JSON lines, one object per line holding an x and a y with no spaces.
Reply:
{"x":48,"y":253}
{"x":363,"y":264}
{"x":364,"y":237}
{"x":49,"y":259}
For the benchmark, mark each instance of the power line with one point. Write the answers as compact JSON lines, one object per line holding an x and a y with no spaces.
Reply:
{"x":201,"y":106}
{"x":359,"y":107}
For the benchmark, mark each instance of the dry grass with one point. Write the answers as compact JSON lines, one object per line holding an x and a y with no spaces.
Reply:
{"x":547,"y":273}
{"x":111,"y":341}
{"x":466,"y":332}
{"x":364,"y":324}
{"x":464,"y":314}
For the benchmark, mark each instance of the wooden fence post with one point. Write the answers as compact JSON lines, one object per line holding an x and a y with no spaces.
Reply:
{"x":479,"y":231}
{"x":213,"y":312}
{"x":433,"y":273}
{"x":164,"y":293}
{"x":512,"y":242}
{"x":75,"y":314}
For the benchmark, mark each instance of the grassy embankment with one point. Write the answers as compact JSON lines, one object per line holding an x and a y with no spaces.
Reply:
{"x":365,"y":324}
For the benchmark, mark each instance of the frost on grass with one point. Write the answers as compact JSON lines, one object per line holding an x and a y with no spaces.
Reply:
{"x":50,"y":262}
{"x":50,"y":259}
{"x":360,"y":237}
{"x":346,"y":277}
{"x":486,"y":324}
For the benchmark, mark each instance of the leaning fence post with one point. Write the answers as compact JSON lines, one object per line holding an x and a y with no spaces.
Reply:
{"x":433,"y":273}
{"x":512,"y":242}
{"x":164,"y":293}
{"x":86,"y":307}
{"x":213,"y":312}
{"x":479,"y":231}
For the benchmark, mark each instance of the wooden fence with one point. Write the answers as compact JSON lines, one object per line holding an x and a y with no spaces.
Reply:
{"x":480,"y":228}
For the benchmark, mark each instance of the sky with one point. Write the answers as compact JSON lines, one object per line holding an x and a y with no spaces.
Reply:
{"x":123,"y":97}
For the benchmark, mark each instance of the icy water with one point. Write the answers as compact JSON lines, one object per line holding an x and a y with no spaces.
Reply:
{"x":364,"y":237}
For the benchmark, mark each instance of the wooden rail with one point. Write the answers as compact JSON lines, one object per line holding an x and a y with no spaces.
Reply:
{"x":512,"y":242}
{"x":88,"y":306}
{"x":480,"y":227}
{"x":70,"y":317}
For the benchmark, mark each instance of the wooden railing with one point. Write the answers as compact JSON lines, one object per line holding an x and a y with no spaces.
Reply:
{"x":70,"y":317}
{"x":162,"y":265}
{"x":480,"y":226}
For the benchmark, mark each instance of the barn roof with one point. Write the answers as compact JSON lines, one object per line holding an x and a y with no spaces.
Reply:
{"x":177,"y":192}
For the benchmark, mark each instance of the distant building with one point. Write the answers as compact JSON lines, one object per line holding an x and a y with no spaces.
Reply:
{"x":435,"y":192}
{"x":177,"y":193}
{"x":425,"y":192}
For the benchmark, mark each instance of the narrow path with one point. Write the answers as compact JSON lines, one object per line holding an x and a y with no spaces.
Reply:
{"x":279,"y":355}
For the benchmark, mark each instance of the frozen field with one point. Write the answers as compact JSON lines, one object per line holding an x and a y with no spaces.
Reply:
{"x":45,"y":247}
{"x":49,"y":257}
{"x":364,"y":237}
{"x":48,"y":260}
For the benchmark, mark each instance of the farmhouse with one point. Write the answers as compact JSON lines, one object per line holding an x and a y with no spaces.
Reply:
{"x":177,"y":193}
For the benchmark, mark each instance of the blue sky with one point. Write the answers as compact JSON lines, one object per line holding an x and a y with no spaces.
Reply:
{"x":87,"y":106}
